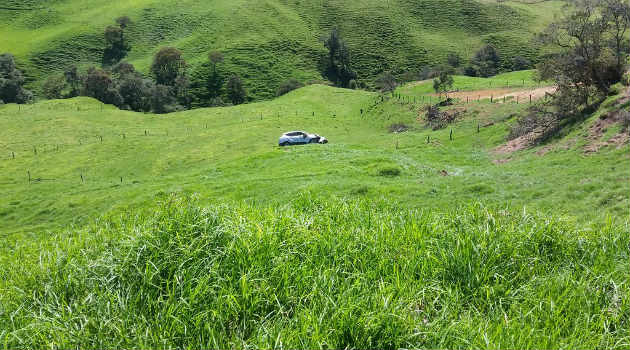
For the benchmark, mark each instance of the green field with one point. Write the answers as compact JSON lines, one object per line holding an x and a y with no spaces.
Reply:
{"x":267,"y":42}
{"x":196,"y":229}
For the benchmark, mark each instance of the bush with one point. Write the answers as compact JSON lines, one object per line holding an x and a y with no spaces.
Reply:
{"x":288,"y":86}
{"x":389,"y":171}
{"x":521,"y":63}
{"x":53,"y":87}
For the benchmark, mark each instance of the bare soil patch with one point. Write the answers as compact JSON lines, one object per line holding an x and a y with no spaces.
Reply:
{"x":599,"y":128}
{"x":499,"y":93}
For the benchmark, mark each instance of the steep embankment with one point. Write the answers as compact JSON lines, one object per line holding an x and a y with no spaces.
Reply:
{"x":267,"y":42}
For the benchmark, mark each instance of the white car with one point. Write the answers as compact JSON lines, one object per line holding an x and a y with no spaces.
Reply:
{"x":300,"y":138}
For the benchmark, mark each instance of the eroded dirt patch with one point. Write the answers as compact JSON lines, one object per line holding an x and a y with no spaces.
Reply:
{"x":599,"y":128}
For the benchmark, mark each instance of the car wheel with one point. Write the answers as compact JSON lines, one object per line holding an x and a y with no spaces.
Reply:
{"x":314,"y":141}
{"x":284,"y":144}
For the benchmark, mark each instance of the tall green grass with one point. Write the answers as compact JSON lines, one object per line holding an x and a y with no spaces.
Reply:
{"x":320,"y":274}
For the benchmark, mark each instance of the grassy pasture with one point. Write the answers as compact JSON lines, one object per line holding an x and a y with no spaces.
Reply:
{"x":363,"y":242}
{"x":231,"y":153}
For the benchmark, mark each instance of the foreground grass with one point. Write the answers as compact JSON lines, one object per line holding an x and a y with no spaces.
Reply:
{"x":320,"y":274}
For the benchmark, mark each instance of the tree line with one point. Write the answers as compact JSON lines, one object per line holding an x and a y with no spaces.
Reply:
{"x":589,"y":55}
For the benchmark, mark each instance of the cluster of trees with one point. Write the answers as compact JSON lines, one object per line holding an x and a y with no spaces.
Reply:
{"x":590,"y":52}
{"x":337,"y":67}
{"x":12,"y":82}
{"x":166,"y":89}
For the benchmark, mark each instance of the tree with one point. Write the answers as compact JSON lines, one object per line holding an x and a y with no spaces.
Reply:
{"x":443,"y":83}
{"x":215,"y":57}
{"x":453,"y":59}
{"x":167,"y":66}
{"x":12,"y":81}
{"x":53,"y":86}
{"x":115,"y":46}
{"x":617,"y":14}
{"x":235,"y":90}
{"x":162,"y":100}
{"x":135,"y":90}
{"x":386,"y":82}
{"x":288,"y":86}
{"x":338,"y":68}
{"x":99,"y":85}
{"x":73,"y":78}
{"x":583,"y":65}
{"x":486,"y":61}
{"x":520,"y":63}
{"x":215,"y":79}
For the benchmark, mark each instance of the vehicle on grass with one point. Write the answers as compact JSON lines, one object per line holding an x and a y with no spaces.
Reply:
{"x":300,"y":138}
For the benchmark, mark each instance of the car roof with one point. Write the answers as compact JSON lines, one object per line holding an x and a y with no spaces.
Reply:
{"x":291,"y":132}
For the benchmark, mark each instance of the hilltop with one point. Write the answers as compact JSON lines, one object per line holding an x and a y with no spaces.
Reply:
{"x":267,"y":42}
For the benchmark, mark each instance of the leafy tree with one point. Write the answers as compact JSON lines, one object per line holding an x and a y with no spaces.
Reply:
{"x":54,"y":86}
{"x":99,"y":85}
{"x":520,"y":63}
{"x":453,"y":59}
{"x":116,"y":48}
{"x":486,"y":61}
{"x":162,"y":100}
{"x":215,"y":79}
{"x":73,"y":79}
{"x":168,"y":64}
{"x":338,"y":68}
{"x":135,"y":90}
{"x":12,"y":81}
{"x":386,"y":82}
{"x":288,"y":86}
{"x":443,"y":83}
{"x":583,"y":66}
{"x":235,"y":90}
{"x":617,"y":15}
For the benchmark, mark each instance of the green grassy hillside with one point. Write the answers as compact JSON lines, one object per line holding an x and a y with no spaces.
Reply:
{"x":231,"y":153}
{"x":375,"y":240}
{"x":269,"y":41}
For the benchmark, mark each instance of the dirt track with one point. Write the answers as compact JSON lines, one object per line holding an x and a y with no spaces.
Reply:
{"x":499,"y":93}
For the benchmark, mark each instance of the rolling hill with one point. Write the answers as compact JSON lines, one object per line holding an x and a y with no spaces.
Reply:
{"x":269,"y":41}
{"x":124,"y":229}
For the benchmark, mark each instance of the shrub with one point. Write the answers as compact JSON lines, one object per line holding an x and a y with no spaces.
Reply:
{"x":53,"y":86}
{"x":386,"y":82}
{"x":486,"y":61}
{"x":521,"y":63}
{"x":288,"y":86}
{"x":389,"y":171}
{"x":236,"y":90}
